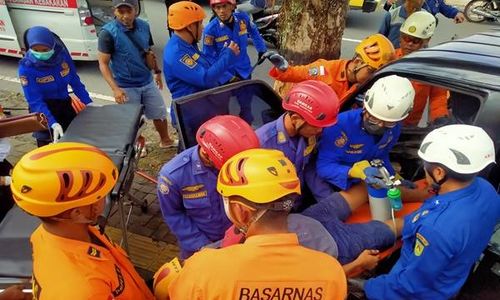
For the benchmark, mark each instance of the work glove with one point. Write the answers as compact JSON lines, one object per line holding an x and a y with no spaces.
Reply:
{"x":357,"y":170}
{"x":278,"y":61}
{"x":373,"y":177}
{"x":5,"y":180}
{"x":57,"y":132}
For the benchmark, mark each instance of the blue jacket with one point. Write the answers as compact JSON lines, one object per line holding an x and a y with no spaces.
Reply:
{"x":49,"y":81}
{"x":439,"y":6}
{"x":441,"y":242}
{"x":346,"y":143}
{"x":216,"y":35}
{"x":127,"y":62}
{"x":391,"y":24}
{"x":190,"y":203}
{"x":188,"y":71}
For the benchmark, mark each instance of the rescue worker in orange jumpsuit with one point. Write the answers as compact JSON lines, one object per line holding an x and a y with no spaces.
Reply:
{"x":416,"y":33}
{"x":341,"y":75}
{"x":65,"y":185}
{"x":259,"y":187}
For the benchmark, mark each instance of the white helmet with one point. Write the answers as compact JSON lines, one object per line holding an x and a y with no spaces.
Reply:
{"x":464,"y":149}
{"x":390,"y":98}
{"x":420,"y":24}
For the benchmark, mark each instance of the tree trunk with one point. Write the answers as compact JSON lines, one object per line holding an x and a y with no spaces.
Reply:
{"x":309,"y":30}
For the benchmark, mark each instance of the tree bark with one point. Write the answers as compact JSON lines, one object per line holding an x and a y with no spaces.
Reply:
{"x":309,"y":30}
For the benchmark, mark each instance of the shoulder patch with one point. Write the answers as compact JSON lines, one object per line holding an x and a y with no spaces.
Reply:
{"x":188,"y":61}
{"x":341,"y":140}
{"x":94,"y":252}
{"x":420,"y":244}
{"x":281,"y":137}
{"x":208,"y":40}
{"x":65,"y":69}
{"x":45,"y":79}
{"x":23,"y":80}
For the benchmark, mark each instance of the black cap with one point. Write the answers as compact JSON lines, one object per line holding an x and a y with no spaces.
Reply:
{"x":130,"y":3}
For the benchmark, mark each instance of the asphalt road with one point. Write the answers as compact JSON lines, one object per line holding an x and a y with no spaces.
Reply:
{"x":359,"y":25}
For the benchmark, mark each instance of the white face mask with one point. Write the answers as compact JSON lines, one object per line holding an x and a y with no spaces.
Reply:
{"x":4,"y":148}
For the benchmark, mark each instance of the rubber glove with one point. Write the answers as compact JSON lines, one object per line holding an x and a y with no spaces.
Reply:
{"x":357,"y":170}
{"x":279,"y":62}
{"x":373,"y":177}
{"x":57,"y":132}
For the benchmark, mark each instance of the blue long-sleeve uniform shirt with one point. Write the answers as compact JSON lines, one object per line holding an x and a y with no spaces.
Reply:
{"x":216,"y":35}
{"x":346,"y":143}
{"x":188,"y":71}
{"x":49,"y":81}
{"x":439,"y":6}
{"x":441,"y":242}
{"x":189,"y":202}
{"x":391,"y":24}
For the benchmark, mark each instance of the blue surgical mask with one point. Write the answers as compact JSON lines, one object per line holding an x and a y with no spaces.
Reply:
{"x":42,"y":55}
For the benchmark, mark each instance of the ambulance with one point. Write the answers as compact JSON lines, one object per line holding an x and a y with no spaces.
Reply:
{"x":76,"y":22}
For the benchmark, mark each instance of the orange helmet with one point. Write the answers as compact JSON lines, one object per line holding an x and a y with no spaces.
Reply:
{"x":259,"y":175}
{"x":52,"y":179}
{"x":375,"y":50}
{"x":224,"y":136}
{"x":164,"y":277}
{"x":184,"y":13}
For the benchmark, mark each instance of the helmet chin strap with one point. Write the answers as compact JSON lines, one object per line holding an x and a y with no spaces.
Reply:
{"x":436,"y":185}
{"x":195,"y":37}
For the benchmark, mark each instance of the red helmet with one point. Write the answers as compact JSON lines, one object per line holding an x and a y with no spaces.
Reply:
{"x":314,"y":101}
{"x":213,"y":2}
{"x":224,"y":136}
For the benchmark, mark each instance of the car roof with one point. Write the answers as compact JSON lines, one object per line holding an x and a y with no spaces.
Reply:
{"x":471,"y":62}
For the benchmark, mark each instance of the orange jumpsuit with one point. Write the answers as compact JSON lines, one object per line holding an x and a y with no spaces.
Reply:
{"x":269,"y":266}
{"x":72,"y":269}
{"x":437,"y":97}
{"x":331,"y":72}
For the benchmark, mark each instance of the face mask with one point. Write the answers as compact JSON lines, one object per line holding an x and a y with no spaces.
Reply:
{"x":42,"y":55}
{"x":373,"y":128}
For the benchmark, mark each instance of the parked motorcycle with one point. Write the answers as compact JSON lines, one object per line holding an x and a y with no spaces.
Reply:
{"x":268,"y":28}
{"x":477,"y":11}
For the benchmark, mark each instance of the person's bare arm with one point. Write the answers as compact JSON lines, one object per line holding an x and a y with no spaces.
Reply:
{"x":367,"y":260}
{"x":119,"y":94}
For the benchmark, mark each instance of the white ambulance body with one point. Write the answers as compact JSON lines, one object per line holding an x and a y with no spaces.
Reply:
{"x":76,"y":22}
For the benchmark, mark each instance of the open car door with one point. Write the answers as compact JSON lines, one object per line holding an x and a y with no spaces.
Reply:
{"x":253,"y":100}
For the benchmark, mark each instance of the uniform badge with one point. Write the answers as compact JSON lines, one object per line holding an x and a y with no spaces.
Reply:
{"x":415,"y":218}
{"x":420,"y":244}
{"x":23,"y":80}
{"x":65,"y":69}
{"x":188,"y":61}
{"x":193,"y":188}
{"x":208,"y":40}
{"x":281,"y":137}
{"x":356,"y":146}
{"x":195,"y":56}
{"x":341,"y":140}
{"x":222,"y":38}
{"x":163,"y":188}
{"x":45,"y":79}
{"x":313,"y":71}
{"x":94,"y":252}
{"x":412,"y":29}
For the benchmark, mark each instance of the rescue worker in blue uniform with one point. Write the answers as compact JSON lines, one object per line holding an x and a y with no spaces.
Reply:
{"x":432,"y":6}
{"x":364,"y":134}
{"x":189,"y":201}
{"x":311,"y":106}
{"x":445,"y":237}
{"x":186,"y":69}
{"x":230,"y":26}
{"x":45,"y":73}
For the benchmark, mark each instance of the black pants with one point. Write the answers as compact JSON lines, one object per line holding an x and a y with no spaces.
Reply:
{"x":64,"y":114}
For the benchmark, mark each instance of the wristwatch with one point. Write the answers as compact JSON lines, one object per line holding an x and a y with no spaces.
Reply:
{"x":158,"y":71}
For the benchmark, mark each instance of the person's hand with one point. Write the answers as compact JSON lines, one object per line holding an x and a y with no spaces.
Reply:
{"x":14,"y":292}
{"x":358,"y":169}
{"x":120,"y":96}
{"x":368,"y":259}
{"x":57,"y":132}
{"x":279,"y":62}
{"x":235,"y":48}
{"x":459,"y":18}
{"x":374,"y":177}
{"x":158,"y":81}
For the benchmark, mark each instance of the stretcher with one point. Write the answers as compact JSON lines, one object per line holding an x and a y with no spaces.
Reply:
{"x":115,"y":129}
